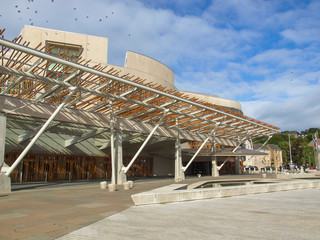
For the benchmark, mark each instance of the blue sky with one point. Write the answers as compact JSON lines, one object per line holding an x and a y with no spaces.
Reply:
{"x":262,"y":53}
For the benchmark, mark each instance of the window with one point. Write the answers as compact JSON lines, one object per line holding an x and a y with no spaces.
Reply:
{"x":70,"y":51}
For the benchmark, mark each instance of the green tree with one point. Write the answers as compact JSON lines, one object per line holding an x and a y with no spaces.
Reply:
{"x":302,"y":154}
{"x":308,"y":156}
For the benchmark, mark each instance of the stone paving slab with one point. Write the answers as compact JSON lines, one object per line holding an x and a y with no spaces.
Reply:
{"x":50,"y":210}
{"x":278,"y":215}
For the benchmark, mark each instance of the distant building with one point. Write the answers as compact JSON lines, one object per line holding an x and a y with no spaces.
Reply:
{"x":274,"y":157}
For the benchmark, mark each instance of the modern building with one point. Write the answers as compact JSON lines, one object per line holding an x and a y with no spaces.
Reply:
{"x":67,"y":114}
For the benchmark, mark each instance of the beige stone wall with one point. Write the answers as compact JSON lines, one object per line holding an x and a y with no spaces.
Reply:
{"x":150,"y":69}
{"x":260,"y":161}
{"x":94,"y":48}
{"x":216,"y":100}
{"x":276,"y":157}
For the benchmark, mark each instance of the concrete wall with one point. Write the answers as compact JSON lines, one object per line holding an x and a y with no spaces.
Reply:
{"x":163,"y":167}
{"x":233,"y":105}
{"x":150,"y":69}
{"x":94,"y":48}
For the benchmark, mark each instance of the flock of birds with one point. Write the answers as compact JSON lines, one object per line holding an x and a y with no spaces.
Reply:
{"x":30,"y":11}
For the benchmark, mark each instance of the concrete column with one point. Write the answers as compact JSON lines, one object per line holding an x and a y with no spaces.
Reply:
{"x":120,"y":175}
{"x":237,"y":165}
{"x":112,"y":150}
{"x":214,"y":170}
{"x":3,"y":123}
{"x":178,"y":172}
{"x":5,"y":181}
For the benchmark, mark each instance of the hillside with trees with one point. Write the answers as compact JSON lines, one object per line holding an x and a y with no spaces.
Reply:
{"x":302,"y":148}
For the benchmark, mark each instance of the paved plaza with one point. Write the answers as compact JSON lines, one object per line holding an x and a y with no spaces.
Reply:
{"x":280,"y":215}
{"x":82,"y":210}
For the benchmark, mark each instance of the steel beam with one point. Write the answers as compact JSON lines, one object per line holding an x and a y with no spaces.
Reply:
{"x":199,"y":149}
{"x":125,"y":169}
{"x":75,"y":140}
{"x":19,"y":79}
{"x":30,"y":134}
{"x":43,"y":55}
{"x":30,"y":145}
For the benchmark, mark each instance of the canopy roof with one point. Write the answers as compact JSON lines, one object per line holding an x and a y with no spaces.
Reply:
{"x":35,"y":75}
{"x":225,"y":152}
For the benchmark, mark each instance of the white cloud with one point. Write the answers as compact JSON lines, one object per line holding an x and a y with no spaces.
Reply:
{"x":298,"y":113}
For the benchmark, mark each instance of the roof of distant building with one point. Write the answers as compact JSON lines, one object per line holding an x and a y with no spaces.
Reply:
{"x":259,"y":146}
{"x":274,"y":147}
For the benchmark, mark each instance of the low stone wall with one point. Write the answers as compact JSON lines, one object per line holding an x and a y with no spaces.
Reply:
{"x":171,"y":194}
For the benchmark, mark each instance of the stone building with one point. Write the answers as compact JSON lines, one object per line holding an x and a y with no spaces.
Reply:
{"x":273,"y":157}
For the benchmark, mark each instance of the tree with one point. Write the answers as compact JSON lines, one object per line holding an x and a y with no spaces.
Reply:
{"x":302,"y":154}
{"x":308,"y":156}
{"x":310,"y":130}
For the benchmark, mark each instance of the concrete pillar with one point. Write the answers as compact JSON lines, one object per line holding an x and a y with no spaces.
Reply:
{"x":5,"y":181}
{"x":178,"y":172}
{"x":237,"y":165}
{"x":3,"y":123}
{"x":113,"y":159}
{"x":214,"y":169}
{"x":121,"y":176}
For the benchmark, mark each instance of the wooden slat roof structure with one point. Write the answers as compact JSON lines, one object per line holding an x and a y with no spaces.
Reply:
{"x":36,"y":75}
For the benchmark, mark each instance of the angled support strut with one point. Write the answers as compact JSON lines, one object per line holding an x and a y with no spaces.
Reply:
{"x":36,"y":137}
{"x":199,"y":149}
{"x":125,"y":169}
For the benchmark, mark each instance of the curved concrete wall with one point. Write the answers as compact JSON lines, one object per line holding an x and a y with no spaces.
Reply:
{"x":149,"y":68}
{"x":232,"y":105}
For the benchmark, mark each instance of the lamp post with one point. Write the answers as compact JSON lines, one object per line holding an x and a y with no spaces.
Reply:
{"x":291,"y":164}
